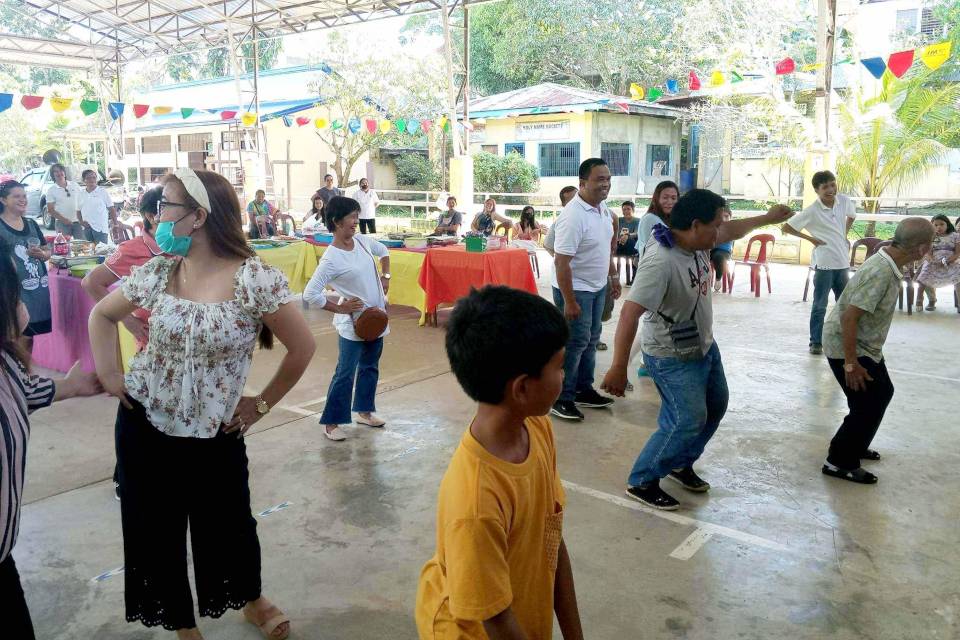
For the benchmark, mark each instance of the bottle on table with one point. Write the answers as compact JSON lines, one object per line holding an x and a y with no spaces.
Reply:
{"x":60,"y":245}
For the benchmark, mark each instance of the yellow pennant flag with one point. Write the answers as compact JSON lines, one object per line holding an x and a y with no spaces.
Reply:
{"x":248,"y":119}
{"x":636,"y":91}
{"x":386,"y":126}
{"x":812,"y":67}
{"x":935,"y":55}
{"x":60,"y":105}
{"x":321,"y":123}
{"x":717,"y":79}
{"x":442,"y":121}
{"x":162,"y":110}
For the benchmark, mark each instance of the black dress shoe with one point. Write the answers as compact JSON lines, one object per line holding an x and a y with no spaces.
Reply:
{"x":653,"y":496}
{"x":567,"y":410}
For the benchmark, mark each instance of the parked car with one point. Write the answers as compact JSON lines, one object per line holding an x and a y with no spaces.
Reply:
{"x":38,"y":181}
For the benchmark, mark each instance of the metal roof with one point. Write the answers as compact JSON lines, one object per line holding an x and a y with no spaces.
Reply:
{"x":123,"y":30}
{"x":549,"y":97}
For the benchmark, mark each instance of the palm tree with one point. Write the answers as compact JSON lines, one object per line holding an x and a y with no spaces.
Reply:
{"x":894,"y":138}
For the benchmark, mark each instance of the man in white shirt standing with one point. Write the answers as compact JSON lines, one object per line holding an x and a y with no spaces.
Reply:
{"x":369,"y":201}
{"x":62,"y":203}
{"x":583,"y":250}
{"x":95,"y":210}
{"x":828,"y":220}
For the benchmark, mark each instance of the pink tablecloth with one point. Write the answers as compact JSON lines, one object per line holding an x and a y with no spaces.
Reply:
{"x":69,"y":341}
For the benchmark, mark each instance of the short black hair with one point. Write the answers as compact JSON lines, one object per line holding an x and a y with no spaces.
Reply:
{"x":942,"y":218}
{"x":149,"y":200}
{"x":6,"y":187}
{"x":497,"y":320}
{"x":696,"y":204}
{"x":587,"y":166}
{"x":628,"y":203}
{"x":449,"y":198}
{"x":329,"y":175}
{"x":339,"y":208}
{"x":567,"y":189}
{"x":83,"y":176}
{"x":823,"y":177}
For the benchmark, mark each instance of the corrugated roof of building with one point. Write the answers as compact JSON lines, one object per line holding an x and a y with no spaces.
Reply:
{"x":550,"y":97}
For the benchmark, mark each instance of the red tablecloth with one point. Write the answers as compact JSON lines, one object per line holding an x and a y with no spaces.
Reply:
{"x":69,"y":341}
{"x":449,"y":272}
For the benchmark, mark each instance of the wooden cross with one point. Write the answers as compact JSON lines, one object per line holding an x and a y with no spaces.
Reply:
{"x":287,"y":163}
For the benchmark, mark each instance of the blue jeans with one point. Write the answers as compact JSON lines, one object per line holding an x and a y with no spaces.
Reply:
{"x":581,"y":355}
{"x":693,"y":400}
{"x":825,"y":281}
{"x":358,"y":361}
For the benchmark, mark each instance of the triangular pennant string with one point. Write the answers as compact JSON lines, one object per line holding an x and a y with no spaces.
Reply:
{"x":31,"y":102}
{"x":717,"y":79}
{"x":413,"y":126}
{"x":115,"y":109}
{"x":934,"y":55}
{"x":6,"y":101}
{"x":673,"y":86}
{"x":636,"y":91}
{"x":186,"y":112}
{"x":654,"y":94}
{"x":900,"y":62}
{"x":876,"y":66}
{"x":89,"y":107}
{"x":59,"y":105}
{"x":228,"y":115}
{"x":693,"y":82}
{"x":785,"y":66}
{"x":160,"y":111}
{"x":735,"y":77}
{"x":140,"y":110}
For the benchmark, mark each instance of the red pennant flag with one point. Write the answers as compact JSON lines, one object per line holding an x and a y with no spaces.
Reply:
{"x":623,"y":106}
{"x":899,"y":63}
{"x":140,"y":110}
{"x":425,"y":125}
{"x":31,"y":102}
{"x":787,"y":65}
{"x":371,"y":125}
{"x":694,"y":82}
{"x":303,"y":121}
{"x":228,"y":115}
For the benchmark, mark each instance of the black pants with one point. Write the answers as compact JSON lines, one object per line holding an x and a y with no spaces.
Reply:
{"x":16,"y":617}
{"x":166,"y":484}
{"x":866,"y":412}
{"x":368,"y":226}
{"x":719,"y":258}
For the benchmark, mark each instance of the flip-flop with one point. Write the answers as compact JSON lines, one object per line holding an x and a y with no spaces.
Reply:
{"x":871,"y":455}
{"x":274,"y":618}
{"x":859,"y":475}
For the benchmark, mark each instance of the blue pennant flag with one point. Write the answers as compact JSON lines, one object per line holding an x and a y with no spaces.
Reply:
{"x":876,"y":66}
{"x":673,"y":86}
{"x":115,"y":109}
{"x":287,"y":121}
{"x":6,"y":99}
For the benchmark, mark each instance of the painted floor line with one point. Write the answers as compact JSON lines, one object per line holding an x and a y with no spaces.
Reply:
{"x":796,"y":356}
{"x":733,"y":534}
{"x":691,"y":545}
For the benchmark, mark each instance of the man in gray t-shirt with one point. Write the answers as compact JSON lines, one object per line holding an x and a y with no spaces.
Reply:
{"x":672,"y":293}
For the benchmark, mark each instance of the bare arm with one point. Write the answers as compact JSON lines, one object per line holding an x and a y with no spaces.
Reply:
{"x":736,"y":229}
{"x":104,"y":341}
{"x":504,"y":626}
{"x":787,"y":229}
{"x":565,"y":597}
{"x":615,"y":381}
{"x":857,"y":378}
{"x":76,"y":384}
{"x":385,"y":269}
{"x":97,"y":285}
{"x":850,"y":222}
{"x":113,"y":214}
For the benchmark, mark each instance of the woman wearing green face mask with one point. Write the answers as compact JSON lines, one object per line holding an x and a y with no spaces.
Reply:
{"x":180,"y":448}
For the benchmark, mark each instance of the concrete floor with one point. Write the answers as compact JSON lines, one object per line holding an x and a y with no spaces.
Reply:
{"x":775,"y":549}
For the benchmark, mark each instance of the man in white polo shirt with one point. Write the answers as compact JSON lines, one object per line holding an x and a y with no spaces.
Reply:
{"x":828,"y":220}
{"x":583,"y":262}
{"x":369,"y":201}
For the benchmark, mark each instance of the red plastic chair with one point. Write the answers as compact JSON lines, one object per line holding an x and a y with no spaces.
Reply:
{"x":755,"y":265}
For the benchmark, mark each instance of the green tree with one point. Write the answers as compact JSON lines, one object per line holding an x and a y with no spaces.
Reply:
{"x":509,"y":174}
{"x":215,"y":63}
{"x":17,"y":20}
{"x":415,"y":170}
{"x":893,"y":139}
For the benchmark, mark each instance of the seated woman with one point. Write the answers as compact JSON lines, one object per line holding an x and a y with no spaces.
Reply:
{"x":450,"y":221}
{"x":486,"y":221}
{"x":315,"y":221}
{"x":259,"y":211}
{"x":528,"y":228}
{"x":941,"y":267}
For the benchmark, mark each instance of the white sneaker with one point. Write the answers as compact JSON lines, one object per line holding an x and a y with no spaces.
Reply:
{"x":336,"y":434}
{"x":372,"y":421}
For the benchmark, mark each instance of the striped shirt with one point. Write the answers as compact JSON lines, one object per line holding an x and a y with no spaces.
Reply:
{"x":20,"y":394}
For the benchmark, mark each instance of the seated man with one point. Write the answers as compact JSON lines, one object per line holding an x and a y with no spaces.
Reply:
{"x":450,"y":221}
{"x":259,"y":211}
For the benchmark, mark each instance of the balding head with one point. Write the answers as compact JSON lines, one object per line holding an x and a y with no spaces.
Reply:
{"x":913,"y":234}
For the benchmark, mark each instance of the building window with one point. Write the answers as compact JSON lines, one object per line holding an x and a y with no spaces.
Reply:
{"x":906,"y":21}
{"x":514,"y":147}
{"x":617,"y":157}
{"x":559,"y":159}
{"x":194,"y":141}
{"x":129,"y":145}
{"x":237,"y":140}
{"x":929,"y":25}
{"x":658,"y":159}
{"x":489,"y":148}
{"x":763,"y":138}
{"x":155,"y":144}
{"x":132,"y":175}
{"x":149,"y":174}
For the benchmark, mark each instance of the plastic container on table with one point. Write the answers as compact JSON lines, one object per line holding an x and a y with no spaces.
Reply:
{"x":476,"y":244}
{"x":415,"y":243}
{"x":323,"y":238}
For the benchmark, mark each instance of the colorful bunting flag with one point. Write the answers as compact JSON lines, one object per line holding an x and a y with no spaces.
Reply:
{"x":140,"y":110}
{"x":115,"y":109}
{"x":89,"y":107}
{"x":413,"y":126}
{"x":673,"y":86}
{"x":6,"y":101}
{"x":654,"y":94}
{"x":735,"y":77}
{"x":717,"y":79}
{"x":302,"y":122}
{"x":935,"y":55}
{"x":446,"y":125}
{"x":59,"y":105}
{"x":900,"y":62}
{"x":186,"y":112}
{"x":353,"y":126}
{"x":287,"y":121}
{"x":787,"y":65}
{"x":248,"y":119}
{"x":812,"y":67}
{"x":386,"y":126}
{"x":876,"y":66}
{"x":442,"y":123}
{"x":337,"y":125}
{"x":228,"y":115}
{"x":623,"y":106}
{"x":31,"y":102}
{"x":371,"y":125}
{"x":425,"y":125}
{"x":400,"y":124}
{"x":693,"y":82}
{"x":162,"y":111}
{"x":636,"y":91}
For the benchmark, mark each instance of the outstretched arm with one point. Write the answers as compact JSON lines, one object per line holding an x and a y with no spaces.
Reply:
{"x":736,"y":229}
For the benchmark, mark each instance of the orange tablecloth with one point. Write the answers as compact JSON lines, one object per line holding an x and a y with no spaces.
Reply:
{"x":449,"y":272}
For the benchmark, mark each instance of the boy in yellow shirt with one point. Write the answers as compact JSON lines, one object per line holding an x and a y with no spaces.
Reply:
{"x":501,"y":568}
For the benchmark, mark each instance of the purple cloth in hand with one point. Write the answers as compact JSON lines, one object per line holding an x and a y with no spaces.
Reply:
{"x":664,"y":236}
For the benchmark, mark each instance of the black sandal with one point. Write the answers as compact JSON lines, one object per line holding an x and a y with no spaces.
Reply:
{"x":859,"y":475}
{"x":871,"y":455}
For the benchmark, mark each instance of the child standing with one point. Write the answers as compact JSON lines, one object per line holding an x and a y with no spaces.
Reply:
{"x":941,"y":267}
{"x":501,"y":567}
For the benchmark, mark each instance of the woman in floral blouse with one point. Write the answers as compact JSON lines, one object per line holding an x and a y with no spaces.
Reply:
{"x":182,"y":415}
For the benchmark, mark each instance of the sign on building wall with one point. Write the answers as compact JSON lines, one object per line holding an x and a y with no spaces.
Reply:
{"x":556,"y":130}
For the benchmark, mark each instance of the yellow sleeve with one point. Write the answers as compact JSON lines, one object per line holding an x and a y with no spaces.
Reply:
{"x":478,"y":577}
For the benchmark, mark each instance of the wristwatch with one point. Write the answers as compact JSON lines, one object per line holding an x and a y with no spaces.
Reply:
{"x":849,"y":368}
{"x":386,"y":276}
{"x":262,"y":407}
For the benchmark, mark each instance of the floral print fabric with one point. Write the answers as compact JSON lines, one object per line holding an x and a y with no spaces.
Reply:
{"x":191,"y":375}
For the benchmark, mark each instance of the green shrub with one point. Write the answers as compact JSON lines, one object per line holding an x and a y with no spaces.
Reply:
{"x":509,"y":174}
{"x":415,"y":170}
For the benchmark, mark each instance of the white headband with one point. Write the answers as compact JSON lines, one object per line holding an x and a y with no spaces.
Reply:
{"x":194,"y":187}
